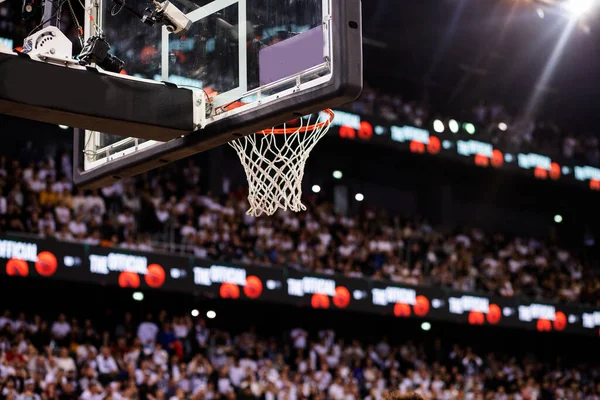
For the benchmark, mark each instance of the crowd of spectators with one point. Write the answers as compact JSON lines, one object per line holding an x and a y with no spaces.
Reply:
{"x":492,"y":123}
{"x":166,"y":210}
{"x":180,"y":358}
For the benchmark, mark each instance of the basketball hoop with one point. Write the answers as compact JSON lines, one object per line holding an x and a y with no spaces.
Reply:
{"x":274,"y":161}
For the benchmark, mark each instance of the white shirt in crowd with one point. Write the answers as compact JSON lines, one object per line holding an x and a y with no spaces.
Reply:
{"x":321,"y":349}
{"x":180,"y":330}
{"x":77,"y":228}
{"x":336,"y":391}
{"x":205,"y":219}
{"x":236,"y":374}
{"x":248,"y":363}
{"x":202,"y":335}
{"x":224,"y":385}
{"x":33,"y":396}
{"x":95,"y":203}
{"x":346,"y":250}
{"x":187,"y":231}
{"x":147,"y":332}
{"x":125,"y":219}
{"x":5,"y":321}
{"x":63,"y":214}
{"x":298,"y":336}
{"x":106,"y":365}
{"x":162,"y":215}
{"x":380,"y":246}
{"x":323,"y":379}
{"x":60,"y":329}
{"x":37,"y":185}
{"x":464,"y":240}
{"x":66,"y":364}
{"x":161,"y":357}
{"x":60,"y":186}
{"x":88,"y":395}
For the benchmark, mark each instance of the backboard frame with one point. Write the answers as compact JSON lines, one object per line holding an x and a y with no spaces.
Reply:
{"x":344,"y":85}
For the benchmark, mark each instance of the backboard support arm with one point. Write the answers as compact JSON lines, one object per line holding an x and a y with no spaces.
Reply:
{"x":51,"y":15}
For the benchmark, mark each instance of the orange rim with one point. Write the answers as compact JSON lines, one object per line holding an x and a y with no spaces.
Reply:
{"x":313,"y":127}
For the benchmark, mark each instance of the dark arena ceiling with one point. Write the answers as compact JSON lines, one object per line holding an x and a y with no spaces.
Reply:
{"x":515,"y":52}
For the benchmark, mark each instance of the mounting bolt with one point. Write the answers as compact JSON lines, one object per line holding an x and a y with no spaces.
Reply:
{"x":198,"y":102}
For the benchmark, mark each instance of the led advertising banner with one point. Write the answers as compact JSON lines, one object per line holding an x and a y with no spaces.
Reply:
{"x":136,"y":270}
{"x":468,"y":148}
{"x":44,"y":259}
{"x":28,"y":258}
{"x":403,"y":301}
{"x":327,"y":291}
{"x":238,"y":282}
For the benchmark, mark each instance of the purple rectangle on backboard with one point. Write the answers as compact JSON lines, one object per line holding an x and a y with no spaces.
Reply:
{"x":291,"y":56}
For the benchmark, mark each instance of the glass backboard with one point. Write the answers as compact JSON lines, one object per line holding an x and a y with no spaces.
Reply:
{"x":260,"y":62}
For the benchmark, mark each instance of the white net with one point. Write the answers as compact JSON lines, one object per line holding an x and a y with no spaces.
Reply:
{"x":274,"y":161}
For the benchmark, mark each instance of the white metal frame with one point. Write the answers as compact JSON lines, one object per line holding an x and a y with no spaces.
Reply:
{"x":201,"y":13}
{"x":95,"y":20}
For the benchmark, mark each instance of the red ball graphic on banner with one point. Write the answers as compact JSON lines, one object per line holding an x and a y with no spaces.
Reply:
{"x":129,"y":279}
{"x":347,"y":132}
{"x":554,"y":171}
{"x":254,"y":287}
{"x":342,"y":297}
{"x":544,"y":325}
{"x":365,"y":131}
{"x":497,"y":159}
{"x":155,"y":276}
{"x":494,"y":314}
{"x":476,"y":318}
{"x":402,"y":310}
{"x":481,"y":160}
{"x":560,"y":321}
{"x":417,"y":147}
{"x":46,"y":264}
{"x":421,"y":306}
{"x":540,"y":173}
{"x":229,"y":291}
{"x":17,"y":267}
{"x":319,"y":300}
{"x":434,"y":145}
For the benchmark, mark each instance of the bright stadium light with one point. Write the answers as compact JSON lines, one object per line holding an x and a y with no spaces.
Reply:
{"x":558,"y":218}
{"x":359,"y":197}
{"x":469,"y":128}
{"x":138,"y":296}
{"x":195,"y":313}
{"x":438,"y":126}
{"x":338,"y":174}
{"x":63,"y":127}
{"x":426,"y":326}
{"x":502,"y":126}
{"x":453,"y":125}
{"x":579,"y":7}
{"x":316,"y":188}
{"x":211,"y":314}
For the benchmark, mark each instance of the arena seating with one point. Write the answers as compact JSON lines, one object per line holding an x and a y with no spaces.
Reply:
{"x":177,"y":357}
{"x":37,"y":199}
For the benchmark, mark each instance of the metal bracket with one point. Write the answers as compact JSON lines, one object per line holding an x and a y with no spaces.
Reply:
{"x":200,"y":106}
